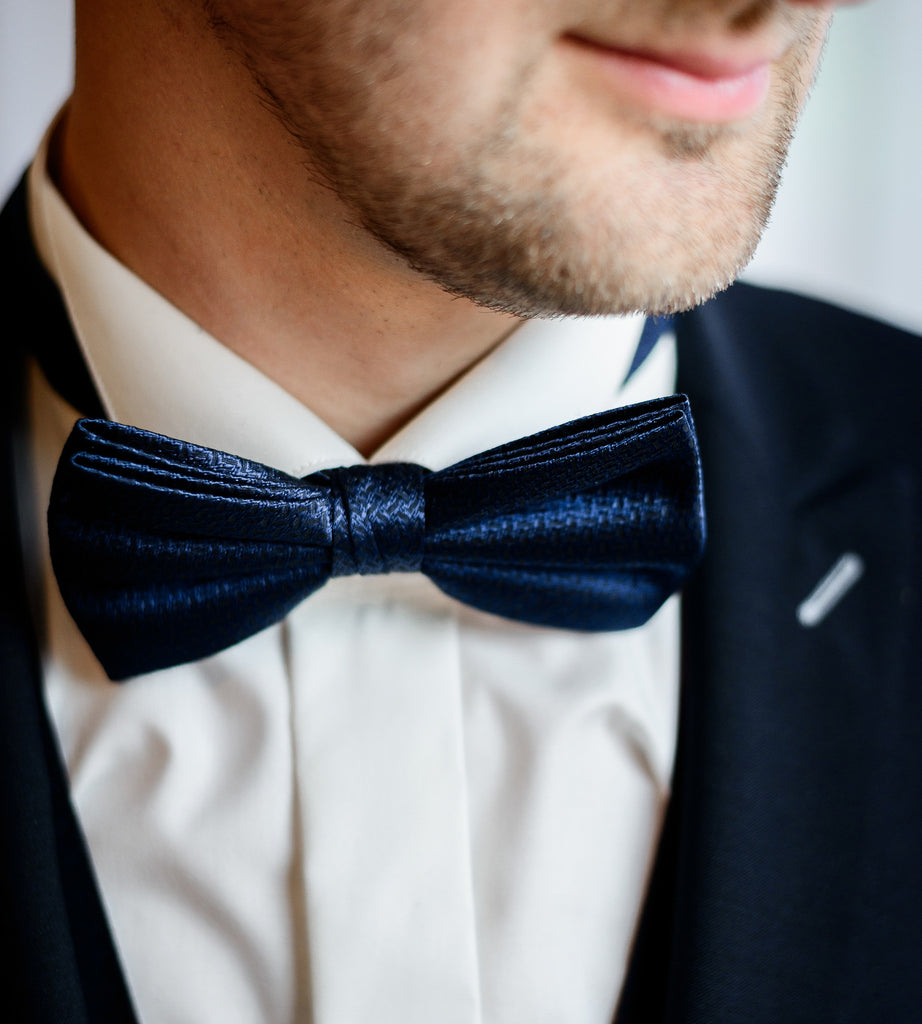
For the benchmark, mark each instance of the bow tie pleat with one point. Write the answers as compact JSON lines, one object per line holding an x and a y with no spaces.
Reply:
{"x":167,"y":552}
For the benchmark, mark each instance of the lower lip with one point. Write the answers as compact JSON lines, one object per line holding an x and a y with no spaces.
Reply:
{"x":673,"y":92}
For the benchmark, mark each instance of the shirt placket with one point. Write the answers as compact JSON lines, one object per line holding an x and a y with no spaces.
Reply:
{"x":380,"y":774}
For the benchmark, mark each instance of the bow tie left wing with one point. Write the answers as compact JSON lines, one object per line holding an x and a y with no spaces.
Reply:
{"x":166,"y":552}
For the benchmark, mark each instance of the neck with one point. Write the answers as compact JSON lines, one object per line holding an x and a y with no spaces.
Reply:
{"x":172,"y":162}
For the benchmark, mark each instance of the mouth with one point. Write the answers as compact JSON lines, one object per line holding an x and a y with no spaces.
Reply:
{"x":698,"y":87}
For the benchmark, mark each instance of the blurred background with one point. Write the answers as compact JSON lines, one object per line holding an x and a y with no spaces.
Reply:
{"x":846,"y":220}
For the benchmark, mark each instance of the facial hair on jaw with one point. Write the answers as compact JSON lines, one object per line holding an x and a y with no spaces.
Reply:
{"x":510,"y":224}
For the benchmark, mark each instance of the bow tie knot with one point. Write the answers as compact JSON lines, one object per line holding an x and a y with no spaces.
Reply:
{"x":378,"y":518}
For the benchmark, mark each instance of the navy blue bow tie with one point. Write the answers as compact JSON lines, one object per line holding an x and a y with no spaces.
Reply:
{"x":166,"y":552}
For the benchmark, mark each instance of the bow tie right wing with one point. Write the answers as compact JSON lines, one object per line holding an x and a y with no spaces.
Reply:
{"x":587,"y":526}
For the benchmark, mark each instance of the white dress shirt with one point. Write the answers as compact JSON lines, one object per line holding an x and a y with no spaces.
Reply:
{"x":390,"y":807}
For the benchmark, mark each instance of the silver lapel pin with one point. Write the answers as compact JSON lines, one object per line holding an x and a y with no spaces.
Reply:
{"x":830,"y":590}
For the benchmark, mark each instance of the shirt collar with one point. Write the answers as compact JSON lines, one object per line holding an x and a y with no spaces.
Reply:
{"x":174,"y":378}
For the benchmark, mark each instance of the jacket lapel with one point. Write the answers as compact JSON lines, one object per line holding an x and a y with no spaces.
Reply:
{"x":60,"y":964}
{"x":792,"y":834}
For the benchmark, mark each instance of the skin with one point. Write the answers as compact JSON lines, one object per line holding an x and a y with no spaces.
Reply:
{"x":363,"y":197}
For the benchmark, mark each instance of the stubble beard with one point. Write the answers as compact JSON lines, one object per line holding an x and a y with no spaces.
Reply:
{"x":530,"y":249}
{"x":513,"y":226}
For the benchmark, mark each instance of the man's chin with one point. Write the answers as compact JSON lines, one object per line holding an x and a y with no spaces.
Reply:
{"x":553,"y":272}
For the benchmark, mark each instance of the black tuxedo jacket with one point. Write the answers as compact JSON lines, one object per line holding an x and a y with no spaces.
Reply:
{"x":788,"y":884}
